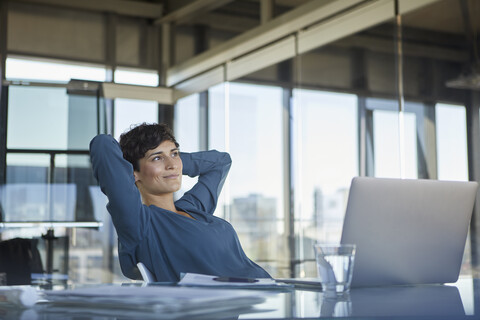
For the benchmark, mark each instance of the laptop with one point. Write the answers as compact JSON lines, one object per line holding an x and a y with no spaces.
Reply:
{"x":407,"y":231}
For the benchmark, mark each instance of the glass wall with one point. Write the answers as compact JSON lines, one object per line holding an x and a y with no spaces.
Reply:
{"x":130,"y":112}
{"x":297,"y":131}
{"x":31,"y":126}
{"x":435,"y":58}
{"x":44,"y":123}
{"x":326,"y":153}
{"x":246,"y":121}
{"x":452,"y":164}
{"x":451,"y":140}
{"x":349,"y":116}
{"x":44,"y":70}
{"x":187,"y":132}
{"x":136,"y":77}
{"x":24,"y":197}
{"x":48,"y":174}
{"x":187,"y":123}
{"x":127,"y":114}
{"x":218,"y":137}
{"x":394,"y":140}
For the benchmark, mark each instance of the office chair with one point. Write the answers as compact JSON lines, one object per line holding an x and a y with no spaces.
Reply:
{"x":147,"y":276}
{"x":19,"y":258}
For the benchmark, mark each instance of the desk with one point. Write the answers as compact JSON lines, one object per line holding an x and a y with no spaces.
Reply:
{"x":415,"y":302}
{"x":458,"y":301}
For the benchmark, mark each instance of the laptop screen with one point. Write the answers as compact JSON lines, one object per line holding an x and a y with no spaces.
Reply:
{"x":407,"y":231}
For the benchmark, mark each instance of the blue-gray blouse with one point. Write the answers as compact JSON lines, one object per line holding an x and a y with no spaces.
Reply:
{"x":166,"y":242}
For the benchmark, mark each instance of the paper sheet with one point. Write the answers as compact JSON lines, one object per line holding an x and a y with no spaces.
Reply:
{"x":195,"y":279}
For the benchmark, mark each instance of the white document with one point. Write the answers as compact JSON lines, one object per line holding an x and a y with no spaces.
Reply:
{"x":195,"y":279}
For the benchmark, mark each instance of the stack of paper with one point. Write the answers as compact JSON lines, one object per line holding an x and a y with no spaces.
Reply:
{"x":154,"y":301}
{"x":21,"y":296}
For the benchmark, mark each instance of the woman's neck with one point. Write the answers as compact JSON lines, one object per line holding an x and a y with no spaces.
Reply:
{"x":164,"y":201}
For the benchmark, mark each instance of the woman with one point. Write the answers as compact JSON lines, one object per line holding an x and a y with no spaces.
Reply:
{"x":168,"y":237}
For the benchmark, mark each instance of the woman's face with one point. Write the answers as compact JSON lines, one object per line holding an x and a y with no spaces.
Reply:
{"x":160,"y":170}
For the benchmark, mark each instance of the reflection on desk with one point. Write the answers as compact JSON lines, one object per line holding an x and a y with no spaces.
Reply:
{"x":427,"y":300}
{"x":400,"y":302}
{"x":412,"y":301}
{"x":403,"y":302}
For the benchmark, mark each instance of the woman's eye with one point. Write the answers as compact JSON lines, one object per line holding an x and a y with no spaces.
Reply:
{"x":175,"y":154}
{"x":157,"y":158}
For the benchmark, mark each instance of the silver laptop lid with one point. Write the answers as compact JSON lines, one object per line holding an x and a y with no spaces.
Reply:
{"x":407,"y":231}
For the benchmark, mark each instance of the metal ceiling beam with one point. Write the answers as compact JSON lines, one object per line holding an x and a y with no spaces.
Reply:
{"x":345,"y":24}
{"x":200,"y":83}
{"x":410,"y":48}
{"x":269,"y":32}
{"x":306,"y":20}
{"x":126,"y":91}
{"x":190,"y":10}
{"x":121,"y":7}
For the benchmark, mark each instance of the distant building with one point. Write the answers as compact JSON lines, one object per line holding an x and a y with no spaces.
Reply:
{"x":256,"y":220}
{"x":318,"y":210}
{"x":249,"y":212}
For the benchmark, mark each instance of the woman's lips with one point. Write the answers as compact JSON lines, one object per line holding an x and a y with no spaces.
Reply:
{"x":172,"y":176}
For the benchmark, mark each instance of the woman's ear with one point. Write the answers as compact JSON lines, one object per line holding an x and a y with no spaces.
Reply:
{"x":136,"y":175}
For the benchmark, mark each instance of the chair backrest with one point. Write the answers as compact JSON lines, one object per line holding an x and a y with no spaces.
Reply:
{"x":19,"y":258}
{"x":147,"y":276}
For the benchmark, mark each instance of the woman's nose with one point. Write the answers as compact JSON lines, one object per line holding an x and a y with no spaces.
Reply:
{"x":170,"y":164}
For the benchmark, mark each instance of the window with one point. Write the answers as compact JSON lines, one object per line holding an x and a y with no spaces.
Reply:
{"x":48,"y":174}
{"x":186,"y":127}
{"x":326,"y":153}
{"x":252,"y":133}
{"x":388,"y":144}
{"x":218,"y":138}
{"x":451,"y":142}
{"x":44,"y":70}
{"x":187,"y":123}
{"x":136,"y":77}
{"x":37,"y":118}
{"x":44,"y":123}
{"x":25,"y":196}
{"x":130,"y":112}
{"x":452,"y":163}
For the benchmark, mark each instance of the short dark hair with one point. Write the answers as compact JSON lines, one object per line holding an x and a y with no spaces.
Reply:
{"x":136,"y":142}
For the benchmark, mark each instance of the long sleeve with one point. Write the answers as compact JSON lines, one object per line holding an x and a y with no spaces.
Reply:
{"x":166,"y":242}
{"x":117,"y":182}
{"x":212,"y":168}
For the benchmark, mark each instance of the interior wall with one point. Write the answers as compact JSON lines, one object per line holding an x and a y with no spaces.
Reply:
{"x":128,"y":34}
{"x":326,"y":67}
{"x":183,"y":44}
{"x":52,"y":32}
{"x":55,"y":32}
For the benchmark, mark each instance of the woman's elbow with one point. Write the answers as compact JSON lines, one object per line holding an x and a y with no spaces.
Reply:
{"x":226,"y":158}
